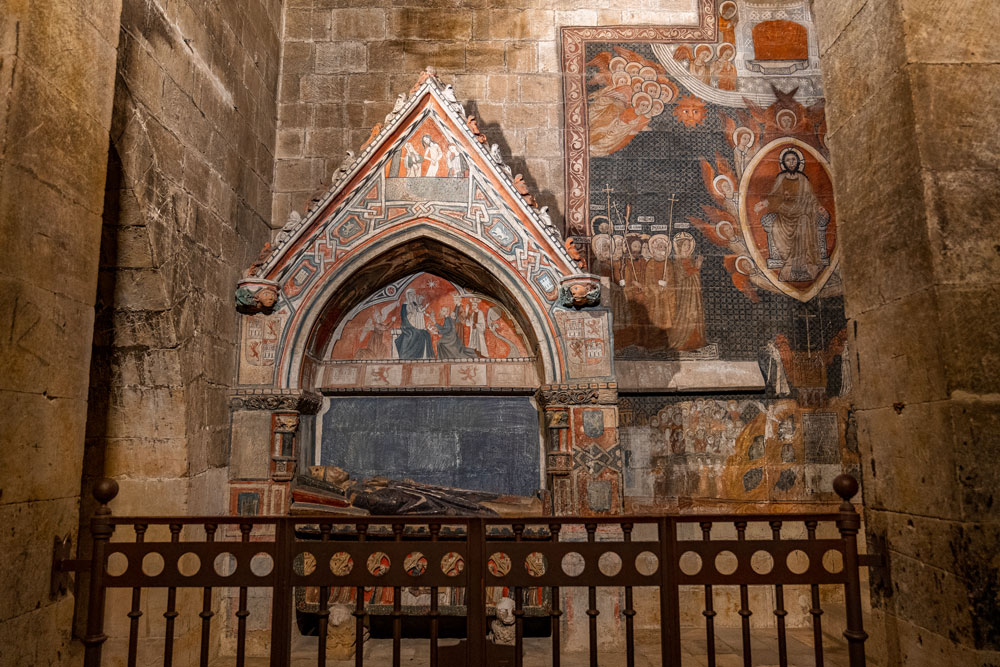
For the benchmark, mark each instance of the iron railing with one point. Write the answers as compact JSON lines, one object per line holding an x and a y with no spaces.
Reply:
{"x":477,"y":555}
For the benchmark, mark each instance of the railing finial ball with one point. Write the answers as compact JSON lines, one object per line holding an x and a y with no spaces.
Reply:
{"x":105,"y":490}
{"x":845,"y":486}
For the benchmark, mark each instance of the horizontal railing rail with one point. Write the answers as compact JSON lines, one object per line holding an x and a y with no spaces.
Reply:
{"x":486,"y":559}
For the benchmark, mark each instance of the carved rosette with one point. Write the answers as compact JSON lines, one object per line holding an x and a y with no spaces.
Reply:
{"x":580,"y":291}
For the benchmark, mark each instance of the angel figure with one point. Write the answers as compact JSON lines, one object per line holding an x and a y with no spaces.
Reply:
{"x":377,"y":330}
{"x":743,"y":136}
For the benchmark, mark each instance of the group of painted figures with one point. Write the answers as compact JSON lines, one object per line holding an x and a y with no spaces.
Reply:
{"x":461,"y":330}
{"x":655,"y":289}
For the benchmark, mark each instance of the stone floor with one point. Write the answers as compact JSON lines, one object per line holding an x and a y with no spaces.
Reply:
{"x":538,"y":651}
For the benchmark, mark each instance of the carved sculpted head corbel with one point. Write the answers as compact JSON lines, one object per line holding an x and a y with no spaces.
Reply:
{"x":580,"y":291}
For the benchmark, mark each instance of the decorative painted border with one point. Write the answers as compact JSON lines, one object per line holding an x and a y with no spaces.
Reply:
{"x":574,"y":65}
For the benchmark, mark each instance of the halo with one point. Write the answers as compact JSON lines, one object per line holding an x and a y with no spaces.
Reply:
{"x":642,"y":97}
{"x":682,"y":236}
{"x":667,"y":92}
{"x":700,"y":47}
{"x":718,"y":179}
{"x":617,"y":64}
{"x":659,"y":246}
{"x":783,"y":114}
{"x":648,"y":73}
{"x":798,"y":153}
{"x":602,"y":247}
{"x":651,"y":88}
{"x":727,"y":47}
{"x":743,"y":130}
{"x":620,"y":78}
{"x":744,"y":265}
{"x":657,"y":108}
{"x":725,"y":7}
{"x":633,"y":68}
{"x":729,"y":235}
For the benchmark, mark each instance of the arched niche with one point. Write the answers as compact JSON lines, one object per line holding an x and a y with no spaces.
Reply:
{"x":420,"y":246}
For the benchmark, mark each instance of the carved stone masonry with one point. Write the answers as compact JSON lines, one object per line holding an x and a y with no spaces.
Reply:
{"x":305,"y":403}
{"x":604,"y":393}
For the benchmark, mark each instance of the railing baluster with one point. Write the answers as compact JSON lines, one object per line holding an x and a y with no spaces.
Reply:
{"x":848,"y":524}
{"x":556,"y":612}
{"x":779,"y":606}
{"x":136,"y":612}
{"x":670,"y":622}
{"x":435,"y":615}
{"x":592,"y":611}
{"x":629,"y":610}
{"x":206,"y":606}
{"x":242,"y":612}
{"x":518,"y":609}
{"x":397,"y":609}
{"x":101,"y":529}
{"x":476,"y":592}
{"x":709,"y":613}
{"x":171,"y":613}
{"x":324,"y":602}
{"x":745,"y":613}
{"x":359,"y":608}
{"x":815,"y":610}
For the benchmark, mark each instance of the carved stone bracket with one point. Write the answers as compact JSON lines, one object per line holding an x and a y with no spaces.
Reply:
{"x":305,"y":402}
{"x":597,"y":393}
{"x":255,"y":295}
{"x":580,"y":291}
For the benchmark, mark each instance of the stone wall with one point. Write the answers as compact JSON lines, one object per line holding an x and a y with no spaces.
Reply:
{"x":912,"y":88}
{"x":343,"y":67}
{"x":189,"y":196}
{"x":54,"y":120}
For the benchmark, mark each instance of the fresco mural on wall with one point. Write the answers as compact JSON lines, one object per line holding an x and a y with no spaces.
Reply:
{"x":707,"y":201}
{"x":698,"y":187}
{"x":427,"y":317}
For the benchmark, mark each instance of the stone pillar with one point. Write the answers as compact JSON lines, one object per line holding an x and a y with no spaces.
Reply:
{"x":57,"y":67}
{"x":912,"y":94}
{"x":586,"y":471}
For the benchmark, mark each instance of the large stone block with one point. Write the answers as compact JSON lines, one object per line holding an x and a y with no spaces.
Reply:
{"x":412,"y":23}
{"x":953,"y":131}
{"x":911,"y":462}
{"x":869,"y":52}
{"x":964,"y":208}
{"x":957,"y":32}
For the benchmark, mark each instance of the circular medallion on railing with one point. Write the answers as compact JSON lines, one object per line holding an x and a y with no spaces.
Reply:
{"x":225,"y":564}
{"x":379,"y":563}
{"x":189,"y":564}
{"x":536,"y":564}
{"x":341,"y":564}
{"x":499,"y":564}
{"x":762,"y":562}
{"x":415,"y":564}
{"x":152,"y":564}
{"x":452,"y":564}
{"x":609,"y":563}
{"x":833,"y":561}
{"x":726,"y":562}
{"x":117,"y":564}
{"x":573,"y":564}
{"x":305,"y":563}
{"x":690,"y":563}
{"x":647,"y":563}
{"x":261,"y":564}
{"x":797,"y":561}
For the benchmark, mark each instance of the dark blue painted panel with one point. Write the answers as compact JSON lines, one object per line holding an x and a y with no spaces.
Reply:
{"x":483,"y":443}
